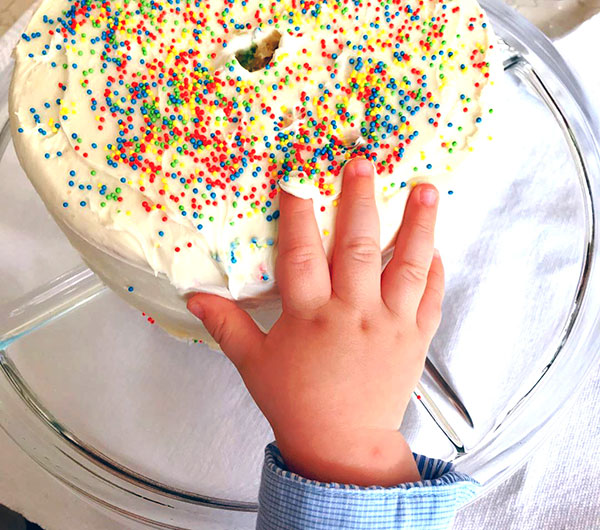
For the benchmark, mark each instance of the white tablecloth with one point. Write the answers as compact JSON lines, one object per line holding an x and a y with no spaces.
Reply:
{"x":557,"y":489}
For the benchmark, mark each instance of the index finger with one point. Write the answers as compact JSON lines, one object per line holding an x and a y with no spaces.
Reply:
{"x":302,"y":270}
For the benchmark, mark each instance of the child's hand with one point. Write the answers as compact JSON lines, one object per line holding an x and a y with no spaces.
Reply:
{"x":335,"y":373}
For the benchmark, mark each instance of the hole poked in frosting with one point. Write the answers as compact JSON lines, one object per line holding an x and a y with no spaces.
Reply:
{"x":258,"y":55}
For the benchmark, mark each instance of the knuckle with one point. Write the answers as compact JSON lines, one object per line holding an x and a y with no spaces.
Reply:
{"x":364,"y":199}
{"x":305,"y":304}
{"x":413,"y":272}
{"x":299,"y":256}
{"x":363,"y":249}
{"x":422,"y":228}
{"x":219,"y":330}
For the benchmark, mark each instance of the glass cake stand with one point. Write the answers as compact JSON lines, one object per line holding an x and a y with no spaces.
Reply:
{"x":164,"y":433}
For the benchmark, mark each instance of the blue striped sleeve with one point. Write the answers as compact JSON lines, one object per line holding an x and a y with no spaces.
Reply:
{"x":288,"y":501}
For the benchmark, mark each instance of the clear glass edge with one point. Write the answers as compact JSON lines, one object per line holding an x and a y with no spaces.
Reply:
{"x":563,"y":85}
{"x":582,"y":122}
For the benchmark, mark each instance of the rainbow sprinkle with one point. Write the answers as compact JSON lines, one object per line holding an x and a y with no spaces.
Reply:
{"x":177,"y":117}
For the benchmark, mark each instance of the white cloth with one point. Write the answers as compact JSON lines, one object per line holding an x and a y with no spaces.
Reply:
{"x":559,"y":488}
{"x":27,"y":489}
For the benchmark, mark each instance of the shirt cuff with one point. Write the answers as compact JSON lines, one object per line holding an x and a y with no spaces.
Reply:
{"x":288,"y":501}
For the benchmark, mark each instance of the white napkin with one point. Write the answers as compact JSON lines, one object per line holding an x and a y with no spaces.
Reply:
{"x":180,"y":413}
{"x":559,"y":487}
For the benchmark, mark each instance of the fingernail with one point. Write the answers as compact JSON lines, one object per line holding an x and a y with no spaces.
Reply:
{"x":196,"y":309}
{"x":428,"y":196}
{"x":361,"y":167}
{"x":436,"y":253}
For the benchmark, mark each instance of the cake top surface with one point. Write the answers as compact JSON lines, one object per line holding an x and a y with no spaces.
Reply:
{"x":163,"y":130}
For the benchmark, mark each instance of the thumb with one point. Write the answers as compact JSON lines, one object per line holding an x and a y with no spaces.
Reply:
{"x":232,"y":328}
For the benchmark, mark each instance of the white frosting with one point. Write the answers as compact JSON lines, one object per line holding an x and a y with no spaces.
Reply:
{"x":153,"y":210}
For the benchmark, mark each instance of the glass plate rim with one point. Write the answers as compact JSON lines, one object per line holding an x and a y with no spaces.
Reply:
{"x":543,"y":57}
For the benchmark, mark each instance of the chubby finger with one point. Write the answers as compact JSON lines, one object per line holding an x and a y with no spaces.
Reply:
{"x":302,"y":270}
{"x":231,"y":327}
{"x":429,"y":313}
{"x":356,"y":262}
{"x":405,"y":277}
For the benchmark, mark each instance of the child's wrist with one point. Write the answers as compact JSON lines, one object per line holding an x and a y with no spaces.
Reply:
{"x":364,"y":458}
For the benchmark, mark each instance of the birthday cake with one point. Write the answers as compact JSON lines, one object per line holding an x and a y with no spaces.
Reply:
{"x":159,"y":133}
